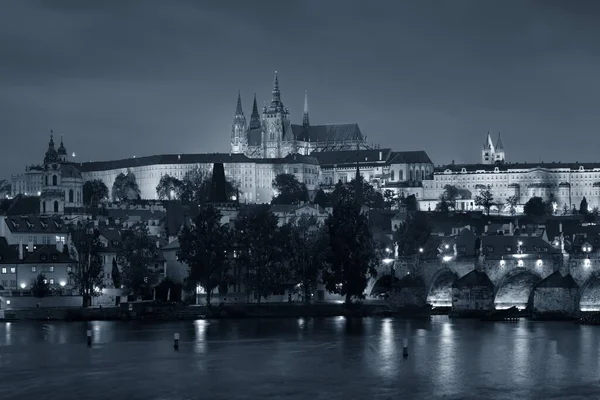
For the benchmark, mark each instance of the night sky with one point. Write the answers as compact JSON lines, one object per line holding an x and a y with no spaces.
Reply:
{"x":121,"y":78}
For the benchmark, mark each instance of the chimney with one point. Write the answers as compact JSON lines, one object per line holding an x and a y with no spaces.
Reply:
{"x":380,"y":155}
{"x":30,"y":247}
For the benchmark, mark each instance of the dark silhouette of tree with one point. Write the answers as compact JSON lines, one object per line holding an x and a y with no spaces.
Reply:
{"x":136,"y":258}
{"x":390,"y":199}
{"x":485,"y":199}
{"x":205,"y":246}
{"x":94,"y":191}
{"x":40,"y":287}
{"x":87,"y":272}
{"x":410,"y":202}
{"x":511,"y":204}
{"x":167,"y":187}
{"x":321,"y":198}
{"x":412,"y":234}
{"x":125,"y":187}
{"x":346,"y":192}
{"x":289,"y":190}
{"x":306,"y":248}
{"x":353,"y":256}
{"x":261,"y":251}
{"x":443,"y":205}
{"x":196,"y":186}
{"x":583,"y":206}
{"x":537,"y":207}
{"x":116,"y":274}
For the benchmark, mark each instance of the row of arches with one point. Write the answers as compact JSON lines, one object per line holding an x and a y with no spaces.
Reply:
{"x":515,"y":289}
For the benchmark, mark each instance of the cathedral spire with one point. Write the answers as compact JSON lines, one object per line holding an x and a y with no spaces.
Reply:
{"x":238,"y":109}
{"x":305,"y":119}
{"x":255,"y":116}
{"x":276,"y":93}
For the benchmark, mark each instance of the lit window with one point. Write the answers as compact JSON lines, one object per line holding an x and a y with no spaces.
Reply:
{"x":13,"y":270}
{"x":3,"y":270}
{"x":33,"y":269}
{"x":52,"y":281}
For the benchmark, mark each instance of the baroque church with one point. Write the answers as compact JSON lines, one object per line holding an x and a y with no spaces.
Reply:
{"x":271,"y":134}
{"x":62,"y":183}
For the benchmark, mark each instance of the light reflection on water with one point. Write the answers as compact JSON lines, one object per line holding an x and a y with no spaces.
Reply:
{"x":298,"y":359}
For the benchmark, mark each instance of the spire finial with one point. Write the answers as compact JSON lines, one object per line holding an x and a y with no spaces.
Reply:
{"x":254,"y":117}
{"x":276,"y":93}
{"x":305,"y":119}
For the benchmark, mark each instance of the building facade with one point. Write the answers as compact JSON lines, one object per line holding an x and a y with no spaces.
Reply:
{"x":271,"y":134}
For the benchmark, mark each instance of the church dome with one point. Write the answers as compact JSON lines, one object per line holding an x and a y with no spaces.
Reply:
{"x":70,"y":171}
{"x":61,"y":149}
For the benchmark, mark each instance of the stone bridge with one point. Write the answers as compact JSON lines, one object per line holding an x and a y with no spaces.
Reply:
{"x":514,"y":279}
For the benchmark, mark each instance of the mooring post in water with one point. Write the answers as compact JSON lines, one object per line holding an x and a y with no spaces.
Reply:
{"x":89,"y":338}
{"x":176,"y":341}
{"x":405,"y":347}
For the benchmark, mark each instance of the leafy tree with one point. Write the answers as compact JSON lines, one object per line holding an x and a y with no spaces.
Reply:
{"x":289,"y":190}
{"x":5,"y":187}
{"x":410,"y":202}
{"x":306,"y":246}
{"x":485,"y":199}
{"x":125,"y":187}
{"x":390,"y":199}
{"x":347,"y":191}
{"x":167,"y":187}
{"x":260,"y":248}
{"x":94,"y":191}
{"x":565,"y":209}
{"x":595,"y":211}
{"x":39,"y":286}
{"x":583,"y":206}
{"x":116,"y":274}
{"x":450,"y":195}
{"x":412,"y":234}
{"x":196,"y":186}
{"x":136,"y":258}
{"x":169,"y":290}
{"x":204,"y":247}
{"x":353,"y":256}
{"x":443,"y":205}
{"x":87,"y":272}
{"x":511,"y":204}
{"x":321,"y":198}
{"x":537,"y":207}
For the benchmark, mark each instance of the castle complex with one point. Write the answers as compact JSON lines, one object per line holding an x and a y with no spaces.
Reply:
{"x":319,"y":156}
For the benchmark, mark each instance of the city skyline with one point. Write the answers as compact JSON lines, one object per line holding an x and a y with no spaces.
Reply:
{"x":433,"y":78}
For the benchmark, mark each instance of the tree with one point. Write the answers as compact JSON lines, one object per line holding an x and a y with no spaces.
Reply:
{"x":321,"y":198}
{"x":306,"y":246}
{"x":450,"y":195}
{"x":116,"y":274}
{"x":485,"y":199}
{"x":390,"y":199}
{"x":196,"y":186}
{"x":39,"y":286}
{"x":511,"y":204}
{"x":443,"y":205}
{"x":412,"y":234}
{"x":167,"y":187}
{"x":94,"y":191}
{"x":289,"y":190}
{"x":347,"y":191}
{"x":410,"y":202}
{"x":537,"y":207}
{"x":136,"y":258}
{"x":5,"y":187}
{"x":125,"y":187}
{"x":205,"y":247}
{"x":352,"y":257}
{"x":565,"y":209}
{"x":260,"y":248}
{"x":583,"y":206}
{"x":87,"y":271}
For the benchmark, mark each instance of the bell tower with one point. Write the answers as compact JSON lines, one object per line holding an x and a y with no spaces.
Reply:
{"x":52,"y":198}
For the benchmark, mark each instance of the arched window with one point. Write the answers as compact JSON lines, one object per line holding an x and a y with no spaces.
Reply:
{"x":401,"y":175}
{"x":46,"y":181}
{"x":54,"y":180}
{"x":393,"y":175}
{"x":70,"y":195}
{"x":56,"y":206}
{"x":43,"y":207}
{"x":412,"y":175}
{"x":422,"y":175}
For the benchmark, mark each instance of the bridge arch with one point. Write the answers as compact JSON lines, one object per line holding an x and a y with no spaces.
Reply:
{"x":439,"y":290}
{"x":589,"y":294}
{"x":515,"y":289}
{"x":383,"y":284}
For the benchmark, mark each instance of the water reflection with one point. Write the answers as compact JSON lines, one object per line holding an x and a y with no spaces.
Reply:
{"x":387,"y":353}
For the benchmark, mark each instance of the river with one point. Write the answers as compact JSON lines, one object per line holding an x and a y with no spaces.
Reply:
{"x":334,"y":358}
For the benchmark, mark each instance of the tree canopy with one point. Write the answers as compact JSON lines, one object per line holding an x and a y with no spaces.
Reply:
{"x":125,"y":187}
{"x":289,"y":190}
{"x":537,"y":207}
{"x":87,"y":272}
{"x":94,"y":191}
{"x":195,"y":187}
{"x":485,"y":199}
{"x":346,"y":192}
{"x":136,"y":258}
{"x":205,"y":247}
{"x":168,"y":187}
{"x":412,"y":234}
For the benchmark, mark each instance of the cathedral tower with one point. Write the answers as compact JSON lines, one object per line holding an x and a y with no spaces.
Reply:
{"x":488,"y":151}
{"x":499,"y":156}
{"x":277,"y":135}
{"x":238,"y":131}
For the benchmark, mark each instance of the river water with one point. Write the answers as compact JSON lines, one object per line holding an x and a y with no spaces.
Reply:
{"x":334,"y":358}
